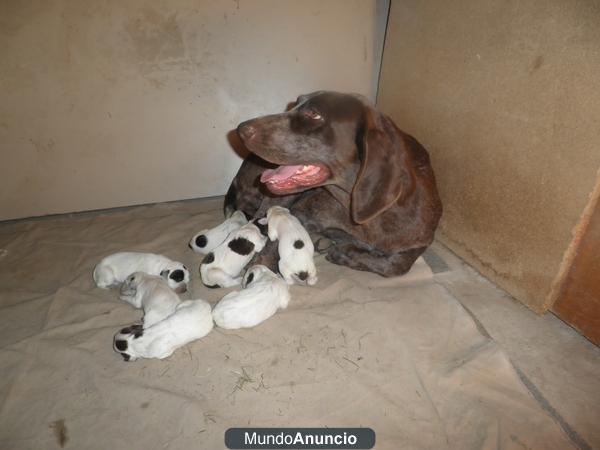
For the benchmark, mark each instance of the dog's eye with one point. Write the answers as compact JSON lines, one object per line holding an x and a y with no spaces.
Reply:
{"x":312,"y":114}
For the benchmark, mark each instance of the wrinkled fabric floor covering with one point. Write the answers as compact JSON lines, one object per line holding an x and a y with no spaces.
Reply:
{"x":398,"y":355}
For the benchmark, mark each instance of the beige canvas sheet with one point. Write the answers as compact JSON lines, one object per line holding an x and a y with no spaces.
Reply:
{"x":398,"y":355}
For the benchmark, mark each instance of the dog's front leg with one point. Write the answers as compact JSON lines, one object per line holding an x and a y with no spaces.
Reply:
{"x":285,"y":201}
{"x":371,"y":260}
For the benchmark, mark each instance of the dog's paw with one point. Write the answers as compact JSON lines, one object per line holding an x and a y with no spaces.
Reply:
{"x":323,"y":245}
{"x":123,"y":340}
{"x":338,"y":255}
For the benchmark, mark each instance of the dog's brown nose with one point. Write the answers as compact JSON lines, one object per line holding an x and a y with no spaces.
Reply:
{"x":246,"y":130}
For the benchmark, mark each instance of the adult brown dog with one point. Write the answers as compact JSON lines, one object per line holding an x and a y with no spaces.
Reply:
{"x":348,"y":173}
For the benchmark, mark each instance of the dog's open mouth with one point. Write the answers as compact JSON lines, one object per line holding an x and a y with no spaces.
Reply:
{"x":288,"y":178}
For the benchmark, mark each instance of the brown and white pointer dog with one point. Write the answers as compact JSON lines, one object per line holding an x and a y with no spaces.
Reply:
{"x":348,"y":173}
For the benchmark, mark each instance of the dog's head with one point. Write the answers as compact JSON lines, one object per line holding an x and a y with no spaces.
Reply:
{"x":333,"y":138}
{"x":177,"y":276}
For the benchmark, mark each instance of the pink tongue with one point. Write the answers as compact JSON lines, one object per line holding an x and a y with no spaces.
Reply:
{"x":279,"y":174}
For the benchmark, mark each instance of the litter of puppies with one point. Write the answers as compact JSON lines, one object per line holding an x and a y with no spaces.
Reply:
{"x":152,"y":283}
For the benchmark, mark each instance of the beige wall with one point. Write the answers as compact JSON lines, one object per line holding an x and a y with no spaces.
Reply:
{"x":506,"y":97}
{"x":116,"y":103}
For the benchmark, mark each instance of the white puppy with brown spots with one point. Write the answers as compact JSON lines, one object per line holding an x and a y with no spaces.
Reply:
{"x":191,"y":320}
{"x":207,"y":240}
{"x":222,"y":266}
{"x":295,"y":247}
{"x":150,"y":293}
{"x":263,"y":293}
{"x":113,"y":269}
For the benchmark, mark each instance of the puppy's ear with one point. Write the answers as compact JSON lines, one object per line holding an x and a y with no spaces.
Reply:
{"x":248,"y":278}
{"x":128,"y":288}
{"x":247,"y":216}
{"x":384,"y":176}
{"x":262,"y":225}
{"x":261,"y":243}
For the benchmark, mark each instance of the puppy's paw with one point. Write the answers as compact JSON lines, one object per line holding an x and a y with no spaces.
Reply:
{"x":124,"y":339}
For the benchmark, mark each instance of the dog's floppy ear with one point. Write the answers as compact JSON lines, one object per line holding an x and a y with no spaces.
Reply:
{"x":384,"y":175}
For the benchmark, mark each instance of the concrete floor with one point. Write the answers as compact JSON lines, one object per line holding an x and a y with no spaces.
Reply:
{"x":560,"y":368}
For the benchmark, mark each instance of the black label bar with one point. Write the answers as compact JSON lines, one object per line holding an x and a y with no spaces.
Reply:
{"x":300,"y":438}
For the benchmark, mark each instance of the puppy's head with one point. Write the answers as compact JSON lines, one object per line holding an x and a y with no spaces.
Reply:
{"x":177,"y":276}
{"x":255,"y":274}
{"x":240,"y":218}
{"x":257,"y":236}
{"x":276,"y":210}
{"x":248,"y":240}
{"x":305,"y":278}
{"x":129,"y":288}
